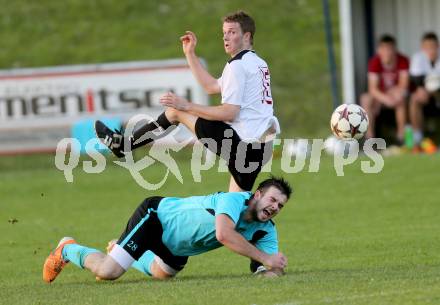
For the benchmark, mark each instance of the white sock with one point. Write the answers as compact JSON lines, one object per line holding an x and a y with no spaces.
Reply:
{"x":417,"y":136}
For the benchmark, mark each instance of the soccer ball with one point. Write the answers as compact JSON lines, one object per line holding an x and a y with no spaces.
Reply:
{"x":349,"y":121}
{"x":432,"y":82}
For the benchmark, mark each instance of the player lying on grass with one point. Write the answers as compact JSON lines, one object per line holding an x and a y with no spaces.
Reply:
{"x":163,"y":232}
{"x":246,"y":112}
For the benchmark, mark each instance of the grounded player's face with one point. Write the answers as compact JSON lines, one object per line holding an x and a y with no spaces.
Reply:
{"x":233,"y":38}
{"x":430,"y":47}
{"x":268,"y":204}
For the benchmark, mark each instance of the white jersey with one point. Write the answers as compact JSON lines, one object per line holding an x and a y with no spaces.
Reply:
{"x":422,"y":66}
{"x":245,"y":82}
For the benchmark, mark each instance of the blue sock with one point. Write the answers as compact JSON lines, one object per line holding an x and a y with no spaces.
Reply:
{"x":77,"y":254}
{"x":143,"y":264}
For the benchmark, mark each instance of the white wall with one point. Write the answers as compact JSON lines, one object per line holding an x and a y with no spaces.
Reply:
{"x":407,"y":20}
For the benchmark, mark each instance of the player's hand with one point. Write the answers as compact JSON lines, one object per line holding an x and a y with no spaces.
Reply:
{"x":396,"y":96}
{"x":276,"y":261}
{"x":169,"y":99}
{"x":189,"y":41}
{"x":270,"y":274}
{"x":389,"y":101}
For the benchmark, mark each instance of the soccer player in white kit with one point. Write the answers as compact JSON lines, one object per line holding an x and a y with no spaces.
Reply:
{"x":245,"y":117}
{"x":424,"y":64}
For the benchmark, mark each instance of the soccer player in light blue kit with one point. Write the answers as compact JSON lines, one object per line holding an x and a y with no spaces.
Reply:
{"x":163,"y":232}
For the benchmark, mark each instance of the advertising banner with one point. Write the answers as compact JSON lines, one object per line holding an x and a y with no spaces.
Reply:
{"x":39,"y":106}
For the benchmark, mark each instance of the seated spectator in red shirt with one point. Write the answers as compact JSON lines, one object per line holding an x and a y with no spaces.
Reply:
{"x":388,"y":82}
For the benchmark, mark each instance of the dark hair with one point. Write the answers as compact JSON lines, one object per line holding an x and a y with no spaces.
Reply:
{"x":387,"y":38}
{"x":279,"y":183}
{"x":430,"y":36}
{"x":246,"y":22}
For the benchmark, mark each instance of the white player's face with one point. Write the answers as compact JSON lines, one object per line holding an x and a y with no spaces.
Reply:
{"x":269,"y":203}
{"x":233,"y":38}
{"x":430,"y":47}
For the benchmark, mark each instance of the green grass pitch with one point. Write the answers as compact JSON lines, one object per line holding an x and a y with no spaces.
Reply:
{"x":357,"y":239}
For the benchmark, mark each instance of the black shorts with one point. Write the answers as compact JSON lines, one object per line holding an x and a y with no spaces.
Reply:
{"x":144,"y":232}
{"x":237,"y":153}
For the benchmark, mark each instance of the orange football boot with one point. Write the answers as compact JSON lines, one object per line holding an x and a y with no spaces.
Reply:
{"x":54,"y":262}
{"x":429,"y":146}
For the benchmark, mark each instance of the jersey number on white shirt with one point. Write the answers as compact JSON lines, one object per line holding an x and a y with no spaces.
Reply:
{"x":267,"y":97}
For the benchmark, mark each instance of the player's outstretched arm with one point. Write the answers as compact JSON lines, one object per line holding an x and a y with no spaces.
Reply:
{"x":226,"y":234}
{"x":224,"y":112}
{"x":206,"y":80}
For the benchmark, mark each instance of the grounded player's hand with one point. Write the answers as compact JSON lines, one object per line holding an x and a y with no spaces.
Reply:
{"x":270,"y":274}
{"x":276,"y":261}
{"x":171,"y":100}
{"x":189,"y":41}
